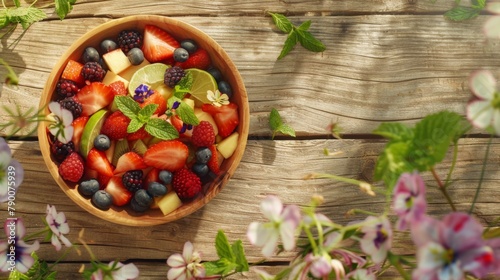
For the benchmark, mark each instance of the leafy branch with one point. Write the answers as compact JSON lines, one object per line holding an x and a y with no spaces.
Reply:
{"x":460,"y":13}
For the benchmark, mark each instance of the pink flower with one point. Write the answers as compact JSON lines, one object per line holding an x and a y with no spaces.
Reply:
{"x":360,"y":274}
{"x":484,"y":110}
{"x":58,"y":226}
{"x":448,"y":248}
{"x":283,"y":222}
{"x":494,"y":244}
{"x":15,"y":253}
{"x":60,"y":122}
{"x":409,"y":199}
{"x":11,"y":173}
{"x":186,"y":266}
{"x":377,"y":238}
{"x":318,"y":265}
{"x":124,"y":271}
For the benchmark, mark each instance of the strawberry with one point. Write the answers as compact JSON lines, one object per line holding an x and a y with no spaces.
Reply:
{"x":226,"y":117}
{"x":139,"y":134}
{"x":78,"y":126}
{"x":98,"y":161}
{"x":118,"y":192}
{"x":156,"y":98}
{"x":73,"y":71}
{"x":158,"y":45}
{"x":152,"y":176}
{"x":203,"y":134}
{"x":103,"y":180}
{"x":72,"y":168}
{"x":184,"y":130}
{"x":129,"y":161}
{"x":186,"y":184}
{"x":118,"y":88}
{"x":169,"y":155}
{"x":213,"y":163}
{"x":94,"y":97}
{"x":199,"y":59}
{"x":115,"y":126}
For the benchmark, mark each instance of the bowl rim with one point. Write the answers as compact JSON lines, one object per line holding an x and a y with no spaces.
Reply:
{"x":230,"y":164}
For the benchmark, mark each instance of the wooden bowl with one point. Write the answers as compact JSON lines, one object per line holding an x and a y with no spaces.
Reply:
{"x":220,"y":59}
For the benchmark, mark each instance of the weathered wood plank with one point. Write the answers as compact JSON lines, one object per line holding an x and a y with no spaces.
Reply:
{"x":376,"y":68}
{"x":268,"y":167}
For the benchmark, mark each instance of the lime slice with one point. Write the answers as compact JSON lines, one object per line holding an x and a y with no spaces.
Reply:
{"x":151,"y":75}
{"x":202,"y":82}
{"x":91,"y":130}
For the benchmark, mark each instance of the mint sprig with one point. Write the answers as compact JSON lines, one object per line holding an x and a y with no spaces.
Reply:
{"x":277,"y":125}
{"x":184,"y":111}
{"x":231,"y":257}
{"x":296,"y":35}
{"x":143,"y":117}
{"x":460,"y":13}
{"x":183,"y":87}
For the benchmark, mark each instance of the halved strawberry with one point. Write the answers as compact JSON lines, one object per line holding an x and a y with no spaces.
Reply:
{"x":169,"y":155}
{"x":73,"y":71}
{"x":94,"y":97}
{"x":139,"y":134}
{"x":103,"y":180}
{"x":98,"y":161}
{"x":226,"y":117}
{"x":115,"y":126}
{"x":118,"y":88}
{"x":156,"y":98}
{"x":152,"y":176}
{"x":213,"y":163}
{"x":78,"y":125}
{"x":184,"y":130}
{"x":158,"y":45}
{"x":199,"y":59}
{"x":129,"y":161}
{"x":118,"y":192}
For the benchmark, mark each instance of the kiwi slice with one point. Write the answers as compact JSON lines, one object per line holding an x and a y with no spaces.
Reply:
{"x":121,"y":148}
{"x":139,"y":147}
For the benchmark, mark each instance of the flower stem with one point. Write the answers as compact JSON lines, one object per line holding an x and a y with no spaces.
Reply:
{"x":452,"y":167}
{"x":481,"y":178}
{"x":442,"y":188}
{"x":35,"y":234}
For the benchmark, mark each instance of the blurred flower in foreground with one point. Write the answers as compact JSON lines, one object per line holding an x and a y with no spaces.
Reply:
{"x":492,"y":26}
{"x":484,"y":110}
{"x":60,"y":122}
{"x":20,"y":258}
{"x":11,"y":172}
{"x":118,"y":271}
{"x":58,"y":227}
{"x":377,"y":238}
{"x":186,"y":266}
{"x":409,"y":199}
{"x":283,"y":222}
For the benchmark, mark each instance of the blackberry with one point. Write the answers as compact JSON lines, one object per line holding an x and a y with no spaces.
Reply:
{"x":66,"y":88}
{"x":93,"y":72}
{"x":132,"y":180}
{"x":173,"y":75}
{"x":60,"y":150}
{"x":129,"y":39}
{"x":72,"y":105}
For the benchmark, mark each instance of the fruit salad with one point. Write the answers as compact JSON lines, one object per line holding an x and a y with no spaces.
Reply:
{"x":152,"y":121}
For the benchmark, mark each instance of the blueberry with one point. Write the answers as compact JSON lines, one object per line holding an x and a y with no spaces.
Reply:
{"x":200,"y":169}
{"x":203,"y":155}
{"x":102,"y":200}
{"x":136,"y":56}
{"x":108,"y":45}
{"x":137,"y":207}
{"x":143,"y":198}
{"x":88,"y":187}
{"x":224,"y":87}
{"x":165,"y":177}
{"x":181,"y":55}
{"x":102,"y":142}
{"x":156,"y":189}
{"x":189,"y":45}
{"x":215,"y":73}
{"x":91,"y":55}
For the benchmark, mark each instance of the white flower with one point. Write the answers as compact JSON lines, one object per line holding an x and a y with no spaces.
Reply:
{"x":217,"y":98}
{"x":124,"y":271}
{"x":484,"y":110}
{"x":283,"y":222}
{"x":186,"y":266}
{"x":61,"y":120}
{"x":11,"y":172}
{"x":58,"y":225}
{"x":377,"y":238}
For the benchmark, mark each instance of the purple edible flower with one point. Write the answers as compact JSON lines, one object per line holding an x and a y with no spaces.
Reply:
{"x":142,"y":92}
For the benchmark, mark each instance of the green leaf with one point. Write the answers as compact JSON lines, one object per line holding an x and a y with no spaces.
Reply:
{"x":17,"y":3}
{"x":183,"y":87}
{"x":4,"y":20}
{"x":63,"y":7}
{"x":392,"y":162}
{"x":239,"y":253}
{"x":222,"y":246}
{"x":25,"y":15}
{"x":134,"y":125}
{"x":289,"y":45}
{"x":305,"y":25}
{"x":161,"y":129}
{"x":214,"y":268}
{"x":277,"y":125}
{"x":461,"y":13}
{"x":186,"y":113}
{"x":127,"y":106}
{"x":145,"y":113}
{"x":394,"y":131}
{"x":479,"y":4}
{"x":308,"y":41}
{"x":282,"y":22}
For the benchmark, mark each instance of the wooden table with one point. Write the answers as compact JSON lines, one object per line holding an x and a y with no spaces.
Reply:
{"x":385,"y":60}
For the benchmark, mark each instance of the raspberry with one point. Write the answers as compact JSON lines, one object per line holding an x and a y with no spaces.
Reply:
{"x":61,"y":150}
{"x":115,"y":126}
{"x":203,"y":135}
{"x":72,"y":105}
{"x":66,"y":88}
{"x":129,"y":39}
{"x":132,"y":180}
{"x":118,"y":88}
{"x":71,"y":169}
{"x":186,"y":184}
{"x":93,"y":72}
{"x":173,"y":75}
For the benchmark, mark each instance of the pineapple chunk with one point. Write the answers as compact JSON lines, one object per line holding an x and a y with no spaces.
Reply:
{"x":169,"y":203}
{"x":117,"y":61}
{"x":112,"y":77}
{"x":228,"y":145}
{"x":189,"y":102}
{"x":130,"y":71}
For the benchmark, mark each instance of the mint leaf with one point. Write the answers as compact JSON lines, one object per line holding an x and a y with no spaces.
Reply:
{"x":183,"y":87}
{"x":127,"y":106}
{"x":145,"y":113}
{"x":214,"y":268}
{"x":222,"y":246}
{"x":394,"y":131}
{"x":289,"y":45}
{"x":240,"y":258}
{"x":134,"y":125}
{"x":25,"y":15}
{"x":282,"y":22}
{"x":308,"y":41}
{"x":161,"y":129}
{"x":461,"y":13}
{"x":63,"y":7}
{"x":277,"y":125}
{"x":186,"y":113}
{"x":305,"y":26}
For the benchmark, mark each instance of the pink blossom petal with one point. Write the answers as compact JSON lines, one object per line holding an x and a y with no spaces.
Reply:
{"x":176,"y":260}
{"x":270,"y":245}
{"x":56,"y":108}
{"x":425,"y":230}
{"x":271,"y":207}
{"x":430,"y":256}
{"x":125,"y":272}
{"x":287,"y":233}
{"x":496,"y":122}
{"x":187,"y":252}
{"x":4,"y":180}
{"x":461,"y":231}
{"x":320,"y":267}
{"x":478,"y":261}
{"x":480,"y":113}
{"x":55,"y":241}
{"x":492,"y":27}
{"x":483,"y":84}
{"x":493,"y":7}
{"x":5,"y":154}
{"x":177,"y":273}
